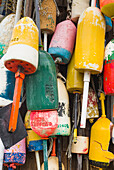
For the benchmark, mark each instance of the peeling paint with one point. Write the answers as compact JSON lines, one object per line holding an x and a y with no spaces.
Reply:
{"x":97,"y":19}
{"x":94,"y":66}
{"x":109,"y":50}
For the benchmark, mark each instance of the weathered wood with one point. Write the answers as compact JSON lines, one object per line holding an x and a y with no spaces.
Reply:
{"x":28,"y":8}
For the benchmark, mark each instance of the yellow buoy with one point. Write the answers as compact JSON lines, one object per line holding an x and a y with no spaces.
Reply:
{"x":99,"y":142}
{"x":89,"y":50}
{"x":74,"y":78}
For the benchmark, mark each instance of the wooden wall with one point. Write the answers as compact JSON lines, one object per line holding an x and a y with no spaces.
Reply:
{"x":30,"y":159}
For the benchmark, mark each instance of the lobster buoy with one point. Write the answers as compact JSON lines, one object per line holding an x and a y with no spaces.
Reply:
{"x":64,"y":125}
{"x":41,"y":87}
{"x":16,"y":155}
{"x":87,"y":58}
{"x":62,"y":43}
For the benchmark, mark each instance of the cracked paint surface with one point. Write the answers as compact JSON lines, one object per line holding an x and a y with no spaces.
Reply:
{"x":89,"y":51}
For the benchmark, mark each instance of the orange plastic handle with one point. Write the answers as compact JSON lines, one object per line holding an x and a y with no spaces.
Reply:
{"x":16,"y":99}
{"x":53,"y":150}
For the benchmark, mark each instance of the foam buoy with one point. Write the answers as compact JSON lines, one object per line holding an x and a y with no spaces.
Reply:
{"x":64,"y":125}
{"x":47,"y":18}
{"x":21,"y":58}
{"x":87,"y":50}
{"x":62,"y":42}
{"x":41,"y":87}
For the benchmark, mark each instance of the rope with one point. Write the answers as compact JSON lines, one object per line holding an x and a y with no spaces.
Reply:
{"x":51,"y":145}
{"x":68,"y":151}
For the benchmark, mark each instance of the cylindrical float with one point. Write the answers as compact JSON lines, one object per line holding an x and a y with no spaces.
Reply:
{"x":108,"y":80}
{"x":77,"y":8}
{"x":74,"y":79}
{"x":48,"y":16}
{"x":62,"y":42}
{"x":88,"y":55}
{"x":41,"y":87}
{"x":90,"y":35}
{"x":64,"y":125}
{"x":23,"y":47}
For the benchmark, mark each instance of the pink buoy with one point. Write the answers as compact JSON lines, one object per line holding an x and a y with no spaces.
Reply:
{"x":16,"y":155}
{"x":63,"y":41}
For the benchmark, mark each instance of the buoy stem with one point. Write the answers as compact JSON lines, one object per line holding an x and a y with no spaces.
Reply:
{"x":58,"y":60}
{"x":102,"y":98}
{"x":37,"y":160}
{"x":53,"y":150}
{"x":45,"y":154}
{"x":16,"y":99}
{"x":45,"y":41}
{"x":18,"y":11}
{"x":75,"y":110}
{"x":93,"y":3}
{"x":85,"y":99}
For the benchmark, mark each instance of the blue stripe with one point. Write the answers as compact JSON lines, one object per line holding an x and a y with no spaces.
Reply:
{"x":60,"y":52}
